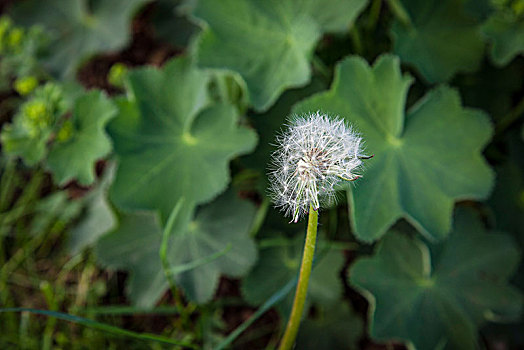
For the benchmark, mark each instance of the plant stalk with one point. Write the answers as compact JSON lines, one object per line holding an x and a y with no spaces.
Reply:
{"x":400,"y":12}
{"x":303,"y":281}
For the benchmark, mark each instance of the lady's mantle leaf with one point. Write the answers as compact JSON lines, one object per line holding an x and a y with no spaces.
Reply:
{"x":222,"y":226}
{"x":440,"y":298}
{"x":79,"y":28}
{"x":505,"y":30}
{"x":419,"y":168}
{"x":269,"y":42}
{"x":134,"y":246}
{"x":440,"y":40}
{"x":84,"y":142}
{"x":169,"y":144}
{"x":333,"y":327}
{"x":99,"y":217}
{"x":279,"y":264}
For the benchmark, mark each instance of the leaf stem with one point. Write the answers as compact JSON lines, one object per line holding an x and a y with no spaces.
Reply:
{"x":374,"y":14}
{"x":260,"y":216}
{"x":303,"y":281}
{"x":166,"y":235}
{"x":355,"y":38}
{"x":320,"y":67}
{"x":400,"y":12}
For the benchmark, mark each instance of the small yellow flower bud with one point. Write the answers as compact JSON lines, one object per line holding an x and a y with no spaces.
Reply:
{"x":14,"y":39}
{"x":65,"y":132}
{"x":25,"y":85}
{"x":117,"y":74}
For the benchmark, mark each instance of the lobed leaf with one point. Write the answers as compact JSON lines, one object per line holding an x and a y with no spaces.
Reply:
{"x":99,"y":217}
{"x":441,"y":39}
{"x":222,"y":226}
{"x":269,"y":43}
{"x":335,"y":327}
{"x":425,"y":158}
{"x":437,"y":296}
{"x":85,"y":142}
{"x":505,"y":31}
{"x":171,"y":142}
{"x":279,"y":264}
{"x":79,"y":28}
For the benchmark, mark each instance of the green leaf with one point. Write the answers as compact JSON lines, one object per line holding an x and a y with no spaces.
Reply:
{"x":226,"y":86}
{"x":269,"y":42}
{"x":334,"y":327}
{"x":423,"y":159}
{"x":222,"y":226}
{"x":17,"y":141}
{"x":437,"y":298}
{"x":73,"y":155}
{"x":505,"y":31}
{"x":80,"y":28}
{"x":280,"y":263}
{"x":54,"y":209}
{"x":441,"y":39}
{"x":171,"y":143}
{"x":98,"y":219}
{"x":134,"y":246}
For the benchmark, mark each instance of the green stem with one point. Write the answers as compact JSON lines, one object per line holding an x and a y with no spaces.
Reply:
{"x":260,"y":216}
{"x":320,"y":67}
{"x":303,"y":280}
{"x":400,"y":12}
{"x":374,"y":14}
{"x":7,"y":188}
{"x":50,"y":298}
{"x":355,"y":39}
{"x":166,"y":266}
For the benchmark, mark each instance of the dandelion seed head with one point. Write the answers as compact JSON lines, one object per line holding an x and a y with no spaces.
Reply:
{"x":313,"y":156}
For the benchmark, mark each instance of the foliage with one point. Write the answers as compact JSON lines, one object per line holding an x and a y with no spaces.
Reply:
{"x":436,"y":296}
{"x":335,"y":327}
{"x":79,"y":28}
{"x":81,"y":140}
{"x":69,"y":145}
{"x":135,"y":245}
{"x":505,"y":31}
{"x":373,"y":99}
{"x":279,"y":263}
{"x":19,"y":55}
{"x":98,"y":219}
{"x":439,"y":39}
{"x":172,"y":141}
{"x":268,"y":43}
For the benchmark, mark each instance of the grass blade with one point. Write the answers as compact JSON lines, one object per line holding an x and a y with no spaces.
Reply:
{"x":101,"y":326}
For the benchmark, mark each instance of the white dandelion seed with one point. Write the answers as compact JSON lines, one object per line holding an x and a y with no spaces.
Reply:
{"x":314,"y":155}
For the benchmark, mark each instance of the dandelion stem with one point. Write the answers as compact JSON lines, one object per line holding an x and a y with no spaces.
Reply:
{"x":303,"y":281}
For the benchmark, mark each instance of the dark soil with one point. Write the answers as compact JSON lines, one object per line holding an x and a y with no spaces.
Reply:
{"x":144,"y":49}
